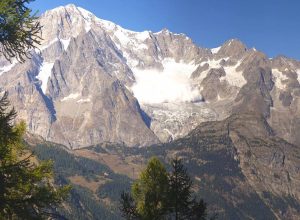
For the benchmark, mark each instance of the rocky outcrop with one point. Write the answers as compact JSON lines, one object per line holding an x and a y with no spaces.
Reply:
{"x":285,"y":114}
{"x":241,"y":168}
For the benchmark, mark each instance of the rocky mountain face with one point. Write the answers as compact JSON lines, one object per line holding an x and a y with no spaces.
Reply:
{"x":73,"y":89}
{"x":240,"y":168}
{"x":231,"y":112}
{"x":93,"y":81}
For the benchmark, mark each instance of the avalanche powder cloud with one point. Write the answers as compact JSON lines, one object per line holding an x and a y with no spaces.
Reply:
{"x":172,"y":84}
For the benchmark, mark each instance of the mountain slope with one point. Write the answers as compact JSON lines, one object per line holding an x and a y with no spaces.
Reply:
{"x":242,"y":164}
{"x":240,"y":168}
{"x":93,"y":81}
{"x":71,"y":93}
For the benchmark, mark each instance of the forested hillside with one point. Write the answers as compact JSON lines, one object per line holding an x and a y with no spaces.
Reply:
{"x":96,"y":189}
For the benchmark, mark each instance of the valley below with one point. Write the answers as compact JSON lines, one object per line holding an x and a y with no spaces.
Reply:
{"x":100,"y":101}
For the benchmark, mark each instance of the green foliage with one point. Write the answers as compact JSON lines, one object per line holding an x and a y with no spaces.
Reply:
{"x":161,"y":195}
{"x":180,"y":190}
{"x":150,"y":191}
{"x":19,"y":30}
{"x":26,"y":188}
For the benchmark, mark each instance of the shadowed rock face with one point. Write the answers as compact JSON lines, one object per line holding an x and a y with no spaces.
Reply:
{"x":77,"y":89}
{"x":268,"y":164}
{"x":240,"y":167}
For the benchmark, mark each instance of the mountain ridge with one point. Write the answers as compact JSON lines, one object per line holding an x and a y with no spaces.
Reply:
{"x":169,"y":78}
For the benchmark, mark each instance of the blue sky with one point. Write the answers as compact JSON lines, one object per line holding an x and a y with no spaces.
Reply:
{"x":272,"y":26}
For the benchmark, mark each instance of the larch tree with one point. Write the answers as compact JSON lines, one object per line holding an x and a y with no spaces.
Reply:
{"x":150,"y":191}
{"x":148,"y":197}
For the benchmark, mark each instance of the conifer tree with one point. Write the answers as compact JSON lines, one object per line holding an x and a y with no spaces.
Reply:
{"x":26,"y":187}
{"x":150,"y":191}
{"x":181,"y":202}
{"x":161,"y":195}
{"x":19,"y":29}
{"x":128,"y":207}
{"x":148,"y":197}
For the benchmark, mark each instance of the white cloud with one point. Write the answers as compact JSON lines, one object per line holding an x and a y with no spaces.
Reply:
{"x":172,"y":84}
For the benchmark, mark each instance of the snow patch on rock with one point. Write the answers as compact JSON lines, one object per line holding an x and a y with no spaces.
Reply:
{"x":234,"y":77}
{"x":84,"y":100}
{"x":215,"y":64}
{"x":142,"y":36}
{"x":108,"y":25}
{"x":215,"y":50}
{"x":131,"y":40}
{"x":298,"y":73}
{"x":88,"y":16}
{"x":48,"y":44}
{"x":65,"y":43}
{"x":7,"y":68}
{"x":131,"y":62}
{"x":278,"y":77}
{"x":70,"y":97}
{"x":122,"y":37}
{"x":44,"y":74}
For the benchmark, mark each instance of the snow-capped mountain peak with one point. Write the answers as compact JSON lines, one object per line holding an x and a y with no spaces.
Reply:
{"x":91,"y":74}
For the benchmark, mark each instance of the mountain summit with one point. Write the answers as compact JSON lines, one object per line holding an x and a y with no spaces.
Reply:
{"x":93,"y":81}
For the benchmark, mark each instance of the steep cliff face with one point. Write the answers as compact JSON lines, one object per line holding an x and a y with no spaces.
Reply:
{"x":93,"y":81}
{"x":73,"y":89}
{"x":285,"y":112}
{"x":245,"y":165}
